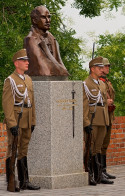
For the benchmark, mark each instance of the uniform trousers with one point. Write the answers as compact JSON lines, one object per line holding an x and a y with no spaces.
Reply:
{"x":98,"y":135}
{"x":24,"y":137}
{"x":106,"y":140}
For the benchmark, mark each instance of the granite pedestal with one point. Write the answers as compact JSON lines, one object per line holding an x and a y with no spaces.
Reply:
{"x":55,"y":155}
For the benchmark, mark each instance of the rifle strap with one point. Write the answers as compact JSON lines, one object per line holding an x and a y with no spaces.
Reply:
{"x":93,"y":114}
{"x":21,"y":112}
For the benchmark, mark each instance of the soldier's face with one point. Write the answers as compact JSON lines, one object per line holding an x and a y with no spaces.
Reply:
{"x":106,"y":69}
{"x":43,"y":20}
{"x":97,"y":71}
{"x":21,"y":66}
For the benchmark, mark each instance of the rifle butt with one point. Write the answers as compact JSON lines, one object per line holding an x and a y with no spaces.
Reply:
{"x":11,"y":184}
{"x":87,"y":153}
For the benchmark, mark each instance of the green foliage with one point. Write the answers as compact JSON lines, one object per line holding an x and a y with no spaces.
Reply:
{"x":70,"y":51}
{"x":113,"y":48}
{"x":92,"y":8}
{"x":88,"y":8}
{"x":15,"y":25}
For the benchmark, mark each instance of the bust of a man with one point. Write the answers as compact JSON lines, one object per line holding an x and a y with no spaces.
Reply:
{"x":42,"y":47}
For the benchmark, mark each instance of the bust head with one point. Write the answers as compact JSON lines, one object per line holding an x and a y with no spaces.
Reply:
{"x":41,"y":18}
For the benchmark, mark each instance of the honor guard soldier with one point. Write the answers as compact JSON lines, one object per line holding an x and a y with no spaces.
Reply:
{"x":111,"y":108}
{"x":95,"y":119}
{"x":18,"y":91}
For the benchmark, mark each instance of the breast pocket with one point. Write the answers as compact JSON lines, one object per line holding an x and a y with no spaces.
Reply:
{"x":94,"y":92}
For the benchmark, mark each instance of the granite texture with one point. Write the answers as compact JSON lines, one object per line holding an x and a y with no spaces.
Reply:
{"x":61,"y":181}
{"x":56,"y":157}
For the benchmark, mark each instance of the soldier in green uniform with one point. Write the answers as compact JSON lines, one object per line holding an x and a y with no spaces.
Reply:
{"x":111,"y":108}
{"x":18,"y":87}
{"x":94,"y":101}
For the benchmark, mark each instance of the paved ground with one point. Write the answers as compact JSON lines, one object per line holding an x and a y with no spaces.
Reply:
{"x":117,"y":189}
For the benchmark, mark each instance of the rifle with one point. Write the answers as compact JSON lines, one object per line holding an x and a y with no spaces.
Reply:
{"x":87,"y":153}
{"x":93,"y":50}
{"x":11,"y":182}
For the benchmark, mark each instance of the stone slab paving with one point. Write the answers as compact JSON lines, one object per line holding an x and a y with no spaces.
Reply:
{"x":117,"y":189}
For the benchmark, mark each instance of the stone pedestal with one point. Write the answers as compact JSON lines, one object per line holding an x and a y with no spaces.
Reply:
{"x":55,"y":155}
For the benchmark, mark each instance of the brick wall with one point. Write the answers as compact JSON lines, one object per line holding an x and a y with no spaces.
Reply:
{"x":116,"y":150}
{"x":3,"y":147}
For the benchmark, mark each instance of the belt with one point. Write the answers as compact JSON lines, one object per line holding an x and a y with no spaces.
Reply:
{"x":25,"y":106}
{"x":100,"y":104}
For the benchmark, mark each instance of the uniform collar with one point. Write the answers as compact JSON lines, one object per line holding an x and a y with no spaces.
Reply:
{"x":21,"y":76}
{"x":104,"y":78}
{"x":94,"y":80}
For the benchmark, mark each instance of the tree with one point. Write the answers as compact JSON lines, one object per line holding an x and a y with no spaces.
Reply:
{"x":113,"y":48}
{"x":15,"y":24}
{"x":92,"y":8}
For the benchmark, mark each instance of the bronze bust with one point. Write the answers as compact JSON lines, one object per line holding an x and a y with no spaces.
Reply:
{"x":42,"y":47}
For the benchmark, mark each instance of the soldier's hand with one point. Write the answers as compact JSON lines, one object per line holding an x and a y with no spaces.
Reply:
{"x":32,"y":128}
{"x":14,"y":130}
{"x":88,"y":129}
{"x":110,"y":102}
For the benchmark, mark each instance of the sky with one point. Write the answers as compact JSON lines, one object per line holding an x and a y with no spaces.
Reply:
{"x":97,"y":25}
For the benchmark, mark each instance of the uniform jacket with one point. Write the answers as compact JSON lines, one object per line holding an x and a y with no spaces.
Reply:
{"x":101,"y":114}
{"x":43,"y":52}
{"x":11,"y":111}
{"x":110,"y":95}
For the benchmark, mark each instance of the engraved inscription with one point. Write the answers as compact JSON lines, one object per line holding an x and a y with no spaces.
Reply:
{"x":66,"y":104}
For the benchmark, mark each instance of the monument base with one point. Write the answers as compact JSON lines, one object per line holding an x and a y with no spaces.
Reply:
{"x":61,"y":181}
{"x":55,"y":156}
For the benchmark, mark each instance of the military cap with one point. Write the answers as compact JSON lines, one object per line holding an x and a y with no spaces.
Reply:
{"x":20,"y":55}
{"x":96,"y":62}
{"x":106,"y":61}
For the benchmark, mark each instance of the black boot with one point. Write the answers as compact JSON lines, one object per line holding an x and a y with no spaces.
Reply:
{"x":8,"y":172}
{"x":91,"y":173}
{"x":108,"y":176}
{"x":103,"y":179}
{"x":96,"y":167}
{"x":23,"y":175}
